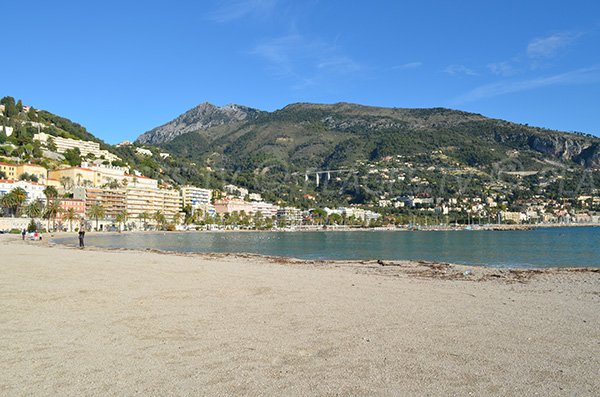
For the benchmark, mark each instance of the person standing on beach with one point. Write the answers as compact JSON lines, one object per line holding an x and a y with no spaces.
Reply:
{"x":23,"y":232}
{"x":81,"y":236}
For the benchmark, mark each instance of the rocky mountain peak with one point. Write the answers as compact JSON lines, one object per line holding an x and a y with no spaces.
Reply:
{"x":201,"y":117}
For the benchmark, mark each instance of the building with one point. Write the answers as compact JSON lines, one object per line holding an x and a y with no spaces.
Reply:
{"x":267,"y":210}
{"x":195,"y":197}
{"x":85,"y":147}
{"x":73,"y":176}
{"x":14,"y":171}
{"x":34,"y":190}
{"x":67,"y":204}
{"x":512,"y":217}
{"x":236,"y":191}
{"x":38,"y":171}
{"x":147,"y":201}
{"x":144,"y":152}
{"x":10,"y":170}
{"x":290,"y":215}
{"x":228,"y":206}
{"x":112,"y":200}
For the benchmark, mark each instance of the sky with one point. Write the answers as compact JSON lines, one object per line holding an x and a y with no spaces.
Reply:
{"x":120,"y":68}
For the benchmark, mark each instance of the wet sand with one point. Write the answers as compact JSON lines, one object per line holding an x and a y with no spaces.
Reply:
{"x":96,"y":322}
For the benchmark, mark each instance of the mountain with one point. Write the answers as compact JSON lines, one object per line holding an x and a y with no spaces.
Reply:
{"x":307,"y":135}
{"x":202,"y":117}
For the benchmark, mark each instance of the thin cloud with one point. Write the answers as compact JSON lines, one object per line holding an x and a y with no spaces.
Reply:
{"x":304,"y":60}
{"x":457,"y":70}
{"x":504,"y":69}
{"x":407,"y":66}
{"x":580,"y":76}
{"x":237,"y":9}
{"x":550,"y":46}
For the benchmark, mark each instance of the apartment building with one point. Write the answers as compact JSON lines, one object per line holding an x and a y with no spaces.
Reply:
{"x":14,"y":171}
{"x":66,"y":204}
{"x":76,"y":176}
{"x":227,"y":206}
{"x":32,"y":169}
{"x":85,"y":147}
{"x":267,"y":210}
{"x":290,"y":215}
{"x":150,"y":200}
{"x":112,"y":200}
{"x":10,"y":170}
{"x":34,"y":190}
{"x":195,"y":197}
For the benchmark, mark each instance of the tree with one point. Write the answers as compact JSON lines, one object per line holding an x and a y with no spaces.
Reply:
{"x":73,"y":157}
{"x":79,"y":175}
{"x":144,"y":216}
{"x":97,"y":212}
{"x":19,"y":106}
{"x":121,"y":218}
{"x":50,"y":192}
{"x":52,"y":210}
{"x":10,"y":108}
{"x":51,"y":145}
{"x":66,"y":182}
{"x":14,"y":200}
{"x":34,"y":210}
{"x":160,"y":219}
{"x":71,"y":215}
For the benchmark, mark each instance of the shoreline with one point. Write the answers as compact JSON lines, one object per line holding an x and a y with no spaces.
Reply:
{"x":111,"y":322}
{"x":50,"y":240}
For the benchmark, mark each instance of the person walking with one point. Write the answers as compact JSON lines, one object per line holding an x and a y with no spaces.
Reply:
{"x":81,"y":237}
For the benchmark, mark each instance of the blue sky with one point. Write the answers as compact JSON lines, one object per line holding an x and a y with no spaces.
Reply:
{"x":122,"y":67}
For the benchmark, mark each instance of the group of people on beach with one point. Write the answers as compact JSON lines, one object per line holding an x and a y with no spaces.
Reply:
{"x":38,"y":236}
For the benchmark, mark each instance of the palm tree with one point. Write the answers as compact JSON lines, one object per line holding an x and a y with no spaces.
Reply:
{"x":50,"y":192}
{"x":79,"y":176}
{"x":159,"y":217}
{"x":52,"y":210}
{"x":176,"y":218}
{"x":135,"y":181}
{"x":14,"y":200}
{"x":144,"y":216}
{"x":97,"y":211}
{"x":122,"y":218}
{"x":35,"y":209}
{"x":71,"y":215}
{"x":66,"y":182}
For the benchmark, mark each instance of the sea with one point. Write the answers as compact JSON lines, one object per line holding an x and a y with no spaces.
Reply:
{"x":535,"y":248}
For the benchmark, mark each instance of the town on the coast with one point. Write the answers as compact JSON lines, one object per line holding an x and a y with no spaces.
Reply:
{"x":49,"y":182}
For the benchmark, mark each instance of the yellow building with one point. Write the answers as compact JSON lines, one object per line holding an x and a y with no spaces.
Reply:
{"x":10,"y":170}
{"x":32,"y":169}
{"x":14,"y":171}
{"x":73,"y":176}
{"x":143,"y":200}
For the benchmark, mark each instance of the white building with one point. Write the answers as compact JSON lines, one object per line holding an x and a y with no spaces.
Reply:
{"x":195,"y":197}
{"x":144,"y":152}
{"x":236,"y":191}
{"x":267,"y":210}
{"x":85,"y":147}
{"x":34,"y":190}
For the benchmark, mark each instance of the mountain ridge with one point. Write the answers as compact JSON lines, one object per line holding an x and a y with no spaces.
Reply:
{"x":308,"y":133}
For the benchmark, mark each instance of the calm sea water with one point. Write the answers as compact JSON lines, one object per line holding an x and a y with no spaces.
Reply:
{"x":550,"y":247}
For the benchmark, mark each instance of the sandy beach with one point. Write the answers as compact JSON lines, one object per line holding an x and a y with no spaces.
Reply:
{"x":96,"y":323}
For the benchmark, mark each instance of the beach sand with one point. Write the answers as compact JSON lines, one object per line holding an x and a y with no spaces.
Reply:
{"x":97,"y":323}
